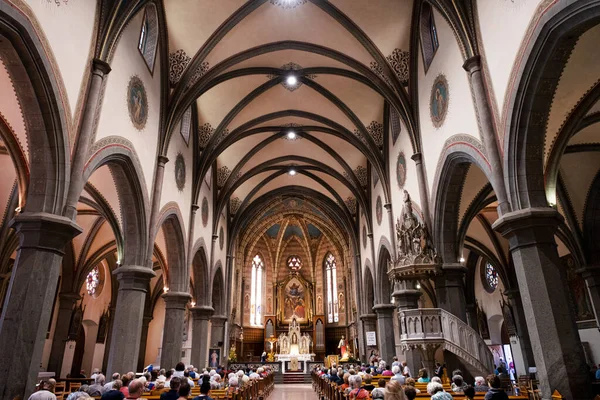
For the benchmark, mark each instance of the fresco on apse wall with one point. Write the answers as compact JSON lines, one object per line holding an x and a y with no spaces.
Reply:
{"x":137,"y":102}
{"x":294,"y":302}
{"x":401,"y":170}
{"x":438,"y":103}
{"x":579,"y":294}
{"x":180,"y":172}
{"x":379,"y":210}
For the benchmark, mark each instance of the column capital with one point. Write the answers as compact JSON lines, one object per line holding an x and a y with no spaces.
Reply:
{"x":176,"y":300}
{"x":472,"y":64}
{"x":218,"y":320}
{"x":368,"y":317}
{"x":44,"y":231}
{"x":195,"y":207}
{"x":417,"y":157}
{"x":134,"y":277}
{"x":215,"y":237}
{"x":202,"y":312}
{"x":162,"y":160}
{"x":454,"y":269}
{"x":388,"y":207}
{"x":100,"y":67}
{"x":540,"y":223}
{"x":384,"y":309}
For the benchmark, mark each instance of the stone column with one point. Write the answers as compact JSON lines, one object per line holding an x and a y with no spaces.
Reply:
{"x":144,"y":342}
{"x":369,"y":324}
{"x":407,"y":297}
{"x":129,"y":313}
{"x":154,"y":208}
{"x":100,"y":71}
{"x":30,"y":299}
{"x":471,"y":310}
{"x":557,"y":349}
{"x":422,"y":181}
{"x":217,"y":334}
{"x":385,"y":331}
{"x":488,"y":131}
{"x":172,"y":343}
{"x":514,"y":299}
{"x":61,"y":331}
{"x":450,"y":290}
{"x":200,"y":335}
{"x":591,"y":274}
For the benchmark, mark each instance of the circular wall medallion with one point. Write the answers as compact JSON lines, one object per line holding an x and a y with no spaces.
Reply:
{"x":401,"y":170}
{"x":438,"y":103}
{"x":364,"y":236}
{"x":204,"y":211}
{"x":379,"y":210}
{"x":180,"y":172}
{"x":137,"y":102}
{"x":221,"y":238}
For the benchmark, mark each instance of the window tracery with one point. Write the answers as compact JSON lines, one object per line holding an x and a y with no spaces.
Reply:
{"x":256,"y":291}
{"x":490,"y":277}
{"x":332,"y":296}
{"x":92,"y":281}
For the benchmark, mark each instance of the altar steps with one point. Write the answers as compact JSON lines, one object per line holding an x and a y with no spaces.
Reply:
{"x":292,"y":378}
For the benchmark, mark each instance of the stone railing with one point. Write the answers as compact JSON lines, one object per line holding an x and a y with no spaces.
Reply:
{"x":431,"y":327}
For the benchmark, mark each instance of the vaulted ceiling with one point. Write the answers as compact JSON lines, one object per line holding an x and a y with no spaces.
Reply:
{"x":290,"y":93}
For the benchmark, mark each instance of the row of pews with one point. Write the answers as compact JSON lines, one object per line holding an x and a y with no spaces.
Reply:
{"x":258,"y":389}
{"x":327,"y":390}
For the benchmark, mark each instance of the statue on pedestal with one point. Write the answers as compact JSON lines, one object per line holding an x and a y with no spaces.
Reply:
{"x":343,"y":346}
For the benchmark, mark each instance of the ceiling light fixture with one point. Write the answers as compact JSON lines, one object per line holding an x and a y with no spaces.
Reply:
{"x":291,"y":80}
{"x":418,"y":286}
{"x":291,"y":134}
{"x":292,"y":172}
{"x":461,"y":260}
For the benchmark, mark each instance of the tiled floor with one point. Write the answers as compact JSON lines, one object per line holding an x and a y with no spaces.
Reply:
{"x":293,"y":392}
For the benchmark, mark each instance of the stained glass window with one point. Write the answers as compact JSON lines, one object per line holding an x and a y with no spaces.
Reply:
{"x":93,"y":281}
{"x":294,"y":263}
{"x":256,"y":293}
{"x":491,"y":277}
{"x":332,"y":297}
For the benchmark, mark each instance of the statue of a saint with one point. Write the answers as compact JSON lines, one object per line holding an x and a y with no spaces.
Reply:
{"x":343,"y":346}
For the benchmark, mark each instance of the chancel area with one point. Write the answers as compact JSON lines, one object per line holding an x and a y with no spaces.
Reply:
{"x":390,"y":199}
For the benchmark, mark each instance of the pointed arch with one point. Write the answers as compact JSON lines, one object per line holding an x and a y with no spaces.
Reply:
{"x":171,"y":220}
{"x":200,"y":273}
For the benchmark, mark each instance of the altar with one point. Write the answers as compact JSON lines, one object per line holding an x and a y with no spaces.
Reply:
{"x":294,"y":349}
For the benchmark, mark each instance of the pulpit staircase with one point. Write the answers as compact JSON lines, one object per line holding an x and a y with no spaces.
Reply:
{"x":430,"y":328}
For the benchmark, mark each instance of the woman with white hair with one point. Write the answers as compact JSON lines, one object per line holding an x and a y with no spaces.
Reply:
{"x":356,"y":391}
{"x":481,"y":385}
{"x":233,"y":385}
{"x":215,"y":382}
{"x":436,"y":390}
{"x":397,"y":371}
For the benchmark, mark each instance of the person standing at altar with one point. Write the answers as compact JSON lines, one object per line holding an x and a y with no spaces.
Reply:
{"x":263,"y":357}
{"x":343,"y":346}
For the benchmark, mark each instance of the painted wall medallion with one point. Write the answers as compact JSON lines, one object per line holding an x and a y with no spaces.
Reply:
{"x":221,"y":238}
{"x":180,"y":172}
{"x":379,"y":210}
{"x":364,"y":236}
{"x":204,"y":211}
{"x":401,"y":170}
{"x":137,"y":102}
{"x":438,"y":103}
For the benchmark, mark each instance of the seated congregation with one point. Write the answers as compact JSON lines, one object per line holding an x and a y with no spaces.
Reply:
{"x":382,"y":381}
{"x":179,"y":383}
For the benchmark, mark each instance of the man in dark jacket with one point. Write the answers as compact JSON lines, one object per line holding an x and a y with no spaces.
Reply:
{"x":173,"y":393}
{"x":496,"y":392}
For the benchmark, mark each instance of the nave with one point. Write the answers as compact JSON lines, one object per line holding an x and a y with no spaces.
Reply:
{"x":234,"y":184}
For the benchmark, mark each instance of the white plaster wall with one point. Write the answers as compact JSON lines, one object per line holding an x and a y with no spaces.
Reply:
{"x":201,"y":231}
{"x":503,"y":25}
{"x":155,"y":333}
{"x":10,"y":109}
{"x":490,"y":303}
{"x":170,"y":192}
{"x":72,"y":22}
{"x":114,"y":117}
{"x":460,"y":117}
{"x":382,"y":230}
{"x":411,"y":184}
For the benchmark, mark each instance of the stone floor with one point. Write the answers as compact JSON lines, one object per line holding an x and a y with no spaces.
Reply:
{"x":295,"y":392}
